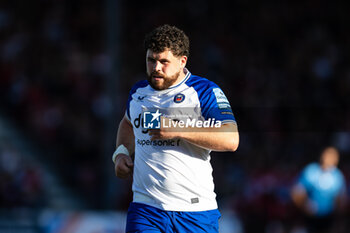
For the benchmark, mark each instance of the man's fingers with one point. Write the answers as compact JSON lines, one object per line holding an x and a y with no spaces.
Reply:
{"x":122,"y":171}
{"x":153,"y":132}
{"x":123,"y":167}
{"x":129,"y":162}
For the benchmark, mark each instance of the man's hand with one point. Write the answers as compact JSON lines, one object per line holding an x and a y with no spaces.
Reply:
{"x":164,"y":133}
{"x":158,"y":134}
{"x":123,"y":166}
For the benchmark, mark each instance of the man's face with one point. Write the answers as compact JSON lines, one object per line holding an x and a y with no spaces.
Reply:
{"x":329,"y":158}
{"x":163,"y":69}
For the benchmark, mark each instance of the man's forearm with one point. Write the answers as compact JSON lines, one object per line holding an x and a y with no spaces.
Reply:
{"x":225,"y":139}
{"x":125,"y":135}
{"x":123,"y":162}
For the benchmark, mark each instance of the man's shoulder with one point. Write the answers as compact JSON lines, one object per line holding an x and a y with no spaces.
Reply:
{"x":198,"y":82}
{"x":311,"y":171}
{"x":139,"y":84}
{"x":312,"y":167}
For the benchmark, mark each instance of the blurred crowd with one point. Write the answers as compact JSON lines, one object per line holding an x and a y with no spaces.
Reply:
{"x":283,"y":66}
{"x":21,"y":181}
{"x":52,"y":79}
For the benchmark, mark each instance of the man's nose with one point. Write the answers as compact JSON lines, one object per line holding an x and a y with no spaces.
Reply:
{"x":157,"y":66}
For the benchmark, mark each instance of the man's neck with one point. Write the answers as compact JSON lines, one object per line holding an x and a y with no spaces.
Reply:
{"x":181,"y":77}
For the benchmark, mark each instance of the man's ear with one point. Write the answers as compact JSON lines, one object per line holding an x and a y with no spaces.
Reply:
{"x":183,"y":61}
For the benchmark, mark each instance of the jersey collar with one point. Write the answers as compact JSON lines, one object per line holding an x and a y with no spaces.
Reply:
{"x":188,"y":74}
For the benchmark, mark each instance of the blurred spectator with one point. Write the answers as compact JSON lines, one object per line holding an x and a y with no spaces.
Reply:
{"x":320,"y":192}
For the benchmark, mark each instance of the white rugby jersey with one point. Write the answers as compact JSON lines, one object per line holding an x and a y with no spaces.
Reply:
{"x":175,"y":175}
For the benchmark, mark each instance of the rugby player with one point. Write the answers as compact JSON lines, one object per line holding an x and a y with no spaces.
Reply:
{"x":173,"y":189}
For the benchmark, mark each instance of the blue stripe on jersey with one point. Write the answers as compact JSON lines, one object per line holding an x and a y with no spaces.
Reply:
{"x":139,"y":84}
{"x":208,"y":100}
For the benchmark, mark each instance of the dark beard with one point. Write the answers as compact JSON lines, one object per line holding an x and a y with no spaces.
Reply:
{"x":167,"y":81}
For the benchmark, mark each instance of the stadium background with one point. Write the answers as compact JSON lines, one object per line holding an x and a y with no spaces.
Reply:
{"x":65,"y":71}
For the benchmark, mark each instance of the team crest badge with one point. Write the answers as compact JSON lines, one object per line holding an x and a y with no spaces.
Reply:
{"x":179,"y":98}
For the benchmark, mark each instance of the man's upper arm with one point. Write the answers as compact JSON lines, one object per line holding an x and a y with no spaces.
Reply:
{"x":215,"y":105}
{"x":125,"y":122}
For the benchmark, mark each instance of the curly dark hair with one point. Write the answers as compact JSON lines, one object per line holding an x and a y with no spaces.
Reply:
{"x":168,"y":37}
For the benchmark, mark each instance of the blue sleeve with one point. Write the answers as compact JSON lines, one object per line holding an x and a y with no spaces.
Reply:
{"x":139,"y":84}
{"x":213,"y":101}
{"x":304,"y":178}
